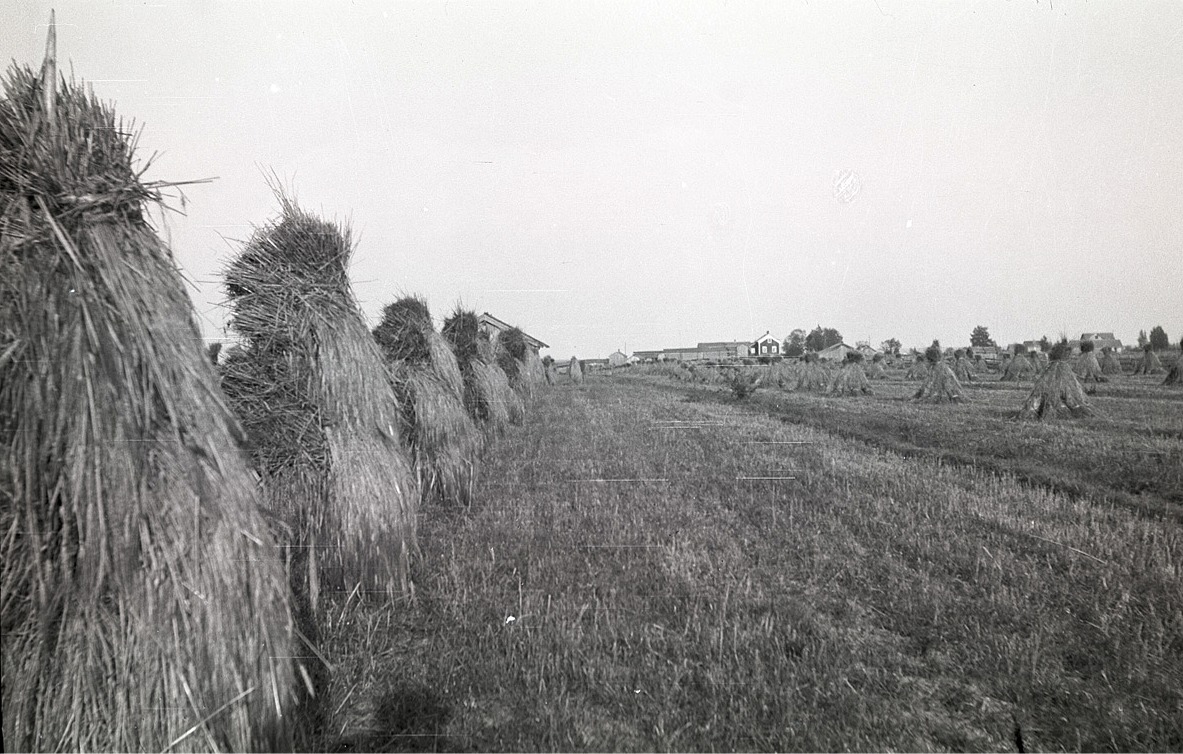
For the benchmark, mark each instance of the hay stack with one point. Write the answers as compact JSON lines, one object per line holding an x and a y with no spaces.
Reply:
{"x":143,"y":604}
{"x":941,"y":384}
{"x":488,"y":397}
{"x":1087,"y":368}
{"x":1175,"y":376}
{"x":514,"y":358}
{"x":918,"y":370}
{"x":1109,"y":362}
{"x":961,"y":368}
{"x":1057,"y":391}
{"x":426,"y":377}
{"x":876,"y":371}
{"x":1018,"y":367}
{"x":312,"y":391}
{"x":812,"y":376}
{"x":575,"y":370}
{"x":1149,"y":363}
{"x":851,"y":380}
{"x":548,"y":369}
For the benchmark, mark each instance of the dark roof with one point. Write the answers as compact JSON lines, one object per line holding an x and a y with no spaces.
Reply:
{"x":489,"y":320}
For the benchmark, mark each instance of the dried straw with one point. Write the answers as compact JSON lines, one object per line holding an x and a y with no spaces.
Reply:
{"x":575,"y":370}
{"x":1056,"y":392}
{"x":142,"y":604}
{"x":1017,"y":368}
{"x":941,"y":384}
{"x":311,"y":389}
{"x":1175,"y":376}
{"x":1087,"y":368}
{"x":488,"y":397}
{"x":811,"y":376}
{"x":876,"y":370}
{"x":851,"y":380}
{"x":444,"y":441}
{"x":961,"y":367}
{"x":1109,"y":362}
{"x":1150,"y":363}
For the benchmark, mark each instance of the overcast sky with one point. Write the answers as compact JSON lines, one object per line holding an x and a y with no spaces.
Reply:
{"x":641,"y":175}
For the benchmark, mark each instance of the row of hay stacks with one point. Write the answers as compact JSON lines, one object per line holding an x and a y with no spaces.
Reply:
{"x":429,"y":384}
{"x":143,"y":603}
{"x":489,"y":396}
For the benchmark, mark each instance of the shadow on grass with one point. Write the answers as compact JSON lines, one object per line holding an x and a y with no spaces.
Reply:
{"x":406,"y":718}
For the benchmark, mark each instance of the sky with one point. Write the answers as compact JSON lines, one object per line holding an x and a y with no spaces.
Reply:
{"x":650,"y":175}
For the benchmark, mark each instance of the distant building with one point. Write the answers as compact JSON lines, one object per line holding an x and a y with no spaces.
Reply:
{"x":765,"y":345}
{"x":589,"y":364}
{"x":836,"y":352}
{"x":1100,"y":341}
{"x":680,"y":354}
{"x":493,"y":327}
{"x":617,"y":359}
{"x":867,"y":350}
{"x":646,"y":356}
{"x":723,"y":350}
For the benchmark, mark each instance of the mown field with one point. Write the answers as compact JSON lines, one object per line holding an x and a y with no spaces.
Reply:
{"x":653,"y":565}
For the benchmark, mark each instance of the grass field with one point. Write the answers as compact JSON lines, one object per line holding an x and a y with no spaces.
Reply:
{"x":656,"y":566}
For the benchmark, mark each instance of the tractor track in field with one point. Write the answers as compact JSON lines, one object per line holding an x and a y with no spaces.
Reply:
{"x":1151,"y":504}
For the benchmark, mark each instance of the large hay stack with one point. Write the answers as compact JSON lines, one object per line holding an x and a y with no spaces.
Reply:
{"x":811,"y":376}
{"x":851,"y":379}
{"x":488,"y":396}
{"x":1087,"y":368}
{"x":311,"y":389}
{"x":575,"y":370}
{"x":1149,"y":364}
{"x":143,"y":604}
{"x":517,"y":360}
{"x":426,"y":377}
{"x":1056,"y":392}
{"x":1109,"y":362}
{"x":941,"y":385}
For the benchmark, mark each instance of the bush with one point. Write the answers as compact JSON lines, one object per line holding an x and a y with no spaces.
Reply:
{"x":743,"y":385}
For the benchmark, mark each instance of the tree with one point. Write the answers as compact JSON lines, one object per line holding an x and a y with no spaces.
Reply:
{"x":1045,"y":345}
{"x":819,"y":339}
{"x":1142,"y":339}
{"x":980,"y":337}
{"x":1159,"y":339}
{"x":892,"y":346}
{"x":795,"y":343}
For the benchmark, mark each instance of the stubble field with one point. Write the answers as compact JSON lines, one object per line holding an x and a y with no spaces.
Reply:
{"x":653,"y":565}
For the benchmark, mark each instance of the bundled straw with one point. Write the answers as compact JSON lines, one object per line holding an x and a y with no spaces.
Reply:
{"x":311,"y":389}
{"x":1087,"y":368}
{"x":918,"y":370}
{"x":876,"y":371}
{"x":1175,"y":376}
{"x":851,"y":380}
{"x":1149,"y":363}
{"x":142,"y":603}
{"x":488,"y":397}
{"x":961,"y":367}
{"x":426,"y":377}
{"x":1017,"y":368}
{"x":575,"y":370}
{"x":811,"y":375}
{"x":940,"y":385}
{"x":1109,"y":362}
{"x":1057,"y":391}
